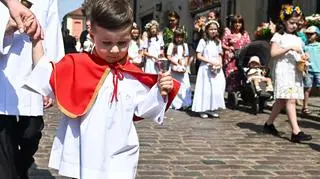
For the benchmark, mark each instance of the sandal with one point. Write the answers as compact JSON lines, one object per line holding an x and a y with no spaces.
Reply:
{"x":306,"y":111}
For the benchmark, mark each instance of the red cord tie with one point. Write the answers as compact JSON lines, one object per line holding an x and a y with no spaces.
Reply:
{"x":117,"y":75}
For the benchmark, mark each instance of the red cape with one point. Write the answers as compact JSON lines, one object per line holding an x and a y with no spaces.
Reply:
{"x":77,"y":79}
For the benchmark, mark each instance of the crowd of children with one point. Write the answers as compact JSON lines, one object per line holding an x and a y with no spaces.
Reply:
{"x":216,"y":49}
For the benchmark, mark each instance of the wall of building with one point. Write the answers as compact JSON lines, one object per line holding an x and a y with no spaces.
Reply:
{"x":308,"y":6}
{"x":254,"y":12}
{"x":147,"y":7}
{"x":76,"y":26}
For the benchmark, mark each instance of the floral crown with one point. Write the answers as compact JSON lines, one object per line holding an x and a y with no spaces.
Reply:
{"x":288,"y":10}
{"x":180,"y":30}
{"x":135,"y":25}
{"x":212,"y":22}
{"x":150,"y":24}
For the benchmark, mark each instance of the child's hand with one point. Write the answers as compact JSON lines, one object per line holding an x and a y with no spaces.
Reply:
{"x":305,"y":57}
{"x":155,"y":58}
{"x":47,"y":102}
{"x":11,"y":26}
{"x":165,"y":83}
{"x":296,"y":49}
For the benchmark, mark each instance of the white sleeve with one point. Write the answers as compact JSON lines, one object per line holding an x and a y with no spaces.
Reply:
{"x":150,"y":104}
{"x":201,"y":46}
{"x":161,"y":40}
{"x":276,"y":38}
{"x":186,"y":50}
{"x":38,"y":80}
{"x":170,"y":49}
{"x":53,"y":42}
{"x":145,"y":44}
{"x":3,"y":25}
{"x":131,"y":50}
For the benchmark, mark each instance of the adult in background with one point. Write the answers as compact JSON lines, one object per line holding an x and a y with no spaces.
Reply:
{"x":86,"y":43}
{"x":21,"y":111}
{"x":69,"y":42}
{"x":174,"y":19}
{"x":233,"y":40}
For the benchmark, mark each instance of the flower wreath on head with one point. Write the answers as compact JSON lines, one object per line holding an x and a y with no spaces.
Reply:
{"x":135,"y":25}
{"x":287,"y":10}
{"x":212,"y":22}
{"x":150,"y":24}
{"x":181,"y":30}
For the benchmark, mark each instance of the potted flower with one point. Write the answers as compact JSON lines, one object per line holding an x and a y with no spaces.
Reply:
{"x":265,"y":31}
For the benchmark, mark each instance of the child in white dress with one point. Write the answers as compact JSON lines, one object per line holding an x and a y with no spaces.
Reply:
{"x":210,"y":85}
{"x":135,"y":52}
{"x":96,"y":138}
{"x":178,"y":54}
{"x":153,"y":47}
{"x":286,"y":51}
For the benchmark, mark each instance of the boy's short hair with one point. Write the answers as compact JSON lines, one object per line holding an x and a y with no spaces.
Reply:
{"x":111,"y":14}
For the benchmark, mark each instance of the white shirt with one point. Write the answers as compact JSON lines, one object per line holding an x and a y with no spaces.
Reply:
{"x":16,"y":59}
{"x":182,"y":51}
{"x":133,"y":51}
{"x":154,"y":45}
{"x":209,"y":49}
{"x":102,"y":144}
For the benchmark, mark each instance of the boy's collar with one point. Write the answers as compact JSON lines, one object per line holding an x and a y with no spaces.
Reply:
{"x":103,"y":62}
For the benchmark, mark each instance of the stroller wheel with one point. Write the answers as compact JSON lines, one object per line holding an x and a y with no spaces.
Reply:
{"x":255,"y":106}
{"x":232,"y":100}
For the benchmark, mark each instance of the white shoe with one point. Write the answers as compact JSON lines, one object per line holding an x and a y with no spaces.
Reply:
{"x":204,"y":115}
{"x":215,"y":115}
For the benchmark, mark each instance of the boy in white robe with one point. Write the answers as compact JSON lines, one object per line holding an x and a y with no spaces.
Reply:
{"x":100,"y":94}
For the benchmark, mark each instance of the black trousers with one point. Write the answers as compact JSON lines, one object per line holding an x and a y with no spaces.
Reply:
{"x":19,"y":140}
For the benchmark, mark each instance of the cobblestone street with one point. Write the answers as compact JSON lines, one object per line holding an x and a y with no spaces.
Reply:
{"x":188,"y":147}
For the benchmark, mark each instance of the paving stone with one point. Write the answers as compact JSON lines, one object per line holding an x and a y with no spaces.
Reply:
{"x":232,"y":147}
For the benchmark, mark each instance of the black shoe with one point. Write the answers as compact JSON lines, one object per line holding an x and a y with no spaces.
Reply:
{"x":301,"y":136}
{"x":270,"y":129}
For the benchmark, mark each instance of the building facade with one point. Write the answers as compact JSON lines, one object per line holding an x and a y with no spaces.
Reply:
{"x":74,"y":22}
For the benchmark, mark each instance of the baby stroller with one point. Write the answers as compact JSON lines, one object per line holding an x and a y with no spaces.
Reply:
{"x":247,"y":91}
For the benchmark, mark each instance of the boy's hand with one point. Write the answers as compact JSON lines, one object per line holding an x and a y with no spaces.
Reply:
{"x":11,"y":26}
{"x":165,"y":83}
{"x":47,"y":102}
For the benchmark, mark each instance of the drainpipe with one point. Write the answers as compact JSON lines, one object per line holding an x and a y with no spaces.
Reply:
{"x":135,"y":10}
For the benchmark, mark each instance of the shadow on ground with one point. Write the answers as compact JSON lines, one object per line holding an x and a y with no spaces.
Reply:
{"x":259,"y":130}
{"x":37,"y":173}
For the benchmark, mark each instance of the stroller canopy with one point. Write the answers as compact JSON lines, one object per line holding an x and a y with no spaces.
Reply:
{"x":255,"y":48}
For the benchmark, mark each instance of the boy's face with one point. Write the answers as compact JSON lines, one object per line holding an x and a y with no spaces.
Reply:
{"x":112,"y":46}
